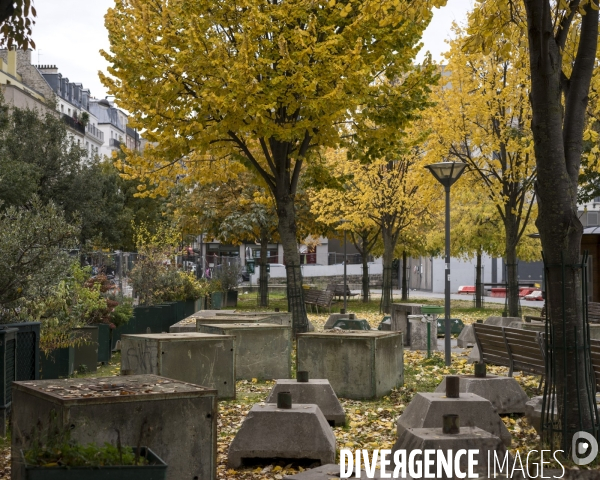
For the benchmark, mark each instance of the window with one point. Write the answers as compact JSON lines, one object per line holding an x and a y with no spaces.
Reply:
{"x":62,"y":108}
{"x":592,"y":219}
{"x":69,"y":110}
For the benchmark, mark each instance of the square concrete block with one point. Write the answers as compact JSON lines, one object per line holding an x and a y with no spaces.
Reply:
{"x":469,"y":438}
{"x":426,"y":410}
{"x":178,"y":420}
{"x":400,"y":313}
{"x":358,"y":364}
{"x":190,"y":324}
{"x":263,"y":350}
{"x":300,"y":432}
{"x":418,"y":333}
{"x":505,"y":393}
{"x":279,"y":318}
{"x":198,"y":358}
{"x":315,"y":391}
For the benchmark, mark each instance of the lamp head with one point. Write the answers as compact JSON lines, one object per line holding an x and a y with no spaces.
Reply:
{"x":447,"y":172}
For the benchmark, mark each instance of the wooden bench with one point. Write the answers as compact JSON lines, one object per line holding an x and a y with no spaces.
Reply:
{"x":318,"y":298}
{"x":519,"y":350}
{"x":338,"y":290}
{"x":594,"y":312}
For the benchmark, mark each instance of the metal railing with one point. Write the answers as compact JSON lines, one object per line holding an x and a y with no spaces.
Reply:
{"x":94,"y":132}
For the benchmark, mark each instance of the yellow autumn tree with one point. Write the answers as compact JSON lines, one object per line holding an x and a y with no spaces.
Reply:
{"x":265,"y":83}
{"x":482,"y":117}
{"x":387,"y":193}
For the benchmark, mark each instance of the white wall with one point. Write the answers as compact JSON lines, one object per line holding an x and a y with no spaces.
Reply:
{"x":320,"y":271}
{"x":462,"y":272}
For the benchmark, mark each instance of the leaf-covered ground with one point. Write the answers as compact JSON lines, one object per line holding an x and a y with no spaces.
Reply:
{"x":370,"y":424}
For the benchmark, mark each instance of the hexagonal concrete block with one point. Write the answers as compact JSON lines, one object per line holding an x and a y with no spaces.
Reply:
{"x":426,"y":411}
{"x":505,"y":393}
{"x":469,"y":438}
{"x":315,"y":391}
{"x":300,"y":432}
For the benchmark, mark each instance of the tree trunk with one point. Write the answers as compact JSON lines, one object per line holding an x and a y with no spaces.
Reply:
{"x":512,"y":274}
{"x":263,"y":280}
{"x":287,"y":233}
{"x":478,"y":283}
{"x":365,"y":277}
{"x":404,"y":279}
{"x":558,"y":142}
{"x":388,"y":258}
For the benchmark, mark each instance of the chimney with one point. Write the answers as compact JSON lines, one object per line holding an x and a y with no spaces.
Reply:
{"x":11,"y":62}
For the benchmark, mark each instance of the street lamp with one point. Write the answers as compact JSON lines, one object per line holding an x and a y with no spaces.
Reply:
{"x":342,"y":221}
{"x":447,"y":173}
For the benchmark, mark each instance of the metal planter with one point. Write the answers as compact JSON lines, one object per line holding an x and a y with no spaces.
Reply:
{"x":8,"y":372}
{"x":86,"y":352}
{"x":59,"y":363}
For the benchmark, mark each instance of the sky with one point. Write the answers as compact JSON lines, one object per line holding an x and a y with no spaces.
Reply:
{"x":71,"y":33}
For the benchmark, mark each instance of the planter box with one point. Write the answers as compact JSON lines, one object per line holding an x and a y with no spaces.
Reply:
{"x":231,"y":298}
{"x":86,"y":353}
{"x":263,"y":350}
{"x":28,"y":349}
{"x":103,"y":342}
{"x":157,"y":470}
{"x":198,"y":358}
{"x":216,"y":300}
{"x":359,"y":365}
{"x":59,"y":363}
{"x":178,"y":419}
{"x":8,"y":372}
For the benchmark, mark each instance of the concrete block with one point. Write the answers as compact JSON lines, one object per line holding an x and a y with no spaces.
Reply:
{"x":469,"y":438}
{"x":505,"y":393}
{"x":198,"y":358}
{"x":327,"y":472}
{"x":426,"y":411}
{"x":300,"y":432}
{"x":333,"y":317}
{"x":466,"y":337}
{"x":279,"y":318}
{"x":178,"y":420}
{"x":400,"y":313}
{"x":358,"y":364}
{"x":315,"y":391}
{"x":418,"y":333}
{"x":263,"y":350}
{"x":533,"y":412}
{"x":190,"y":324}
{"x":594,"y":331}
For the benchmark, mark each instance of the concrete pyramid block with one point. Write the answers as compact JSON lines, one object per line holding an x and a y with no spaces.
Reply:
{"x":469,"y":438}
{"x":505,"y":393}
{"x":466,"y":337}
{"x":426,"y":411}
{"x":328,"y":472}
{"x":301,"y":432}
{"x":316,"y":391}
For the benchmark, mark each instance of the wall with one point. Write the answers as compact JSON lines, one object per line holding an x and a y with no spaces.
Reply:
{"x":15,"y":97}
{"x":462,"y":272}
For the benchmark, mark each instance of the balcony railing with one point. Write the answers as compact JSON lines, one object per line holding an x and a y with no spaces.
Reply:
{"x":73,"y":124}
{"x":94,"y":132}
{"x":113,"y":142}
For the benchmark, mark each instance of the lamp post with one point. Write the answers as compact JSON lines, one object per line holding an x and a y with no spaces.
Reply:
{"x":447,"y":173}
{"x":345,"y":277}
